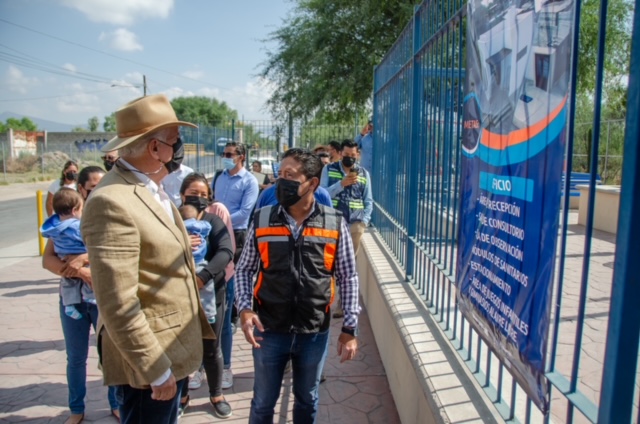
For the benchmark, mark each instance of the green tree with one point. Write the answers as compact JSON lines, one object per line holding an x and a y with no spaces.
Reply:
{"x":93,"y":123}
{"x":110,"y":123}
{"x":325,"y":54}
{"x":78,"y":129}
{"x":203,"y":110}
{"x":24,"y":124}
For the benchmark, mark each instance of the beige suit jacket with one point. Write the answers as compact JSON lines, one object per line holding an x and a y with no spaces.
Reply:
{"x":144,"y":280}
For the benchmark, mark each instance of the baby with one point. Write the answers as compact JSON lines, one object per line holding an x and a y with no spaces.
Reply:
{"x":189,"y":214}
{"x":63,"y":227}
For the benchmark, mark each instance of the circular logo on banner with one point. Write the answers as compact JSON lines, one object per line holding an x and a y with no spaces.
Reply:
{"x":472,"y":124}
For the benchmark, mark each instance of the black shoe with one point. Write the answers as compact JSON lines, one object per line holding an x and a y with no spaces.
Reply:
{"x":323,"y":378}
{"x":183,"y":406}
{"x":221,"y":409}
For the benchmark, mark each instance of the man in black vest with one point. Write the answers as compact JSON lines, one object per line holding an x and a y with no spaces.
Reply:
{"x":300,"y":250}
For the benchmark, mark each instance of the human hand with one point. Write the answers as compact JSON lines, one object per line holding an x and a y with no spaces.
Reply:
{"x":249,"y":320}
{"x":347,"y":347}
{"x":72,"y":264}
{"x":165,"y":391}
{"x":195,"y":241}
{"x":350,"y":179}
{"x":367,"y":129}
{"x":84,"y":274}
{"x":199,"y":282}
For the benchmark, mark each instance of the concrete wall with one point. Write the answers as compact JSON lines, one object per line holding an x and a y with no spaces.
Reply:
{"x":428,"y":380}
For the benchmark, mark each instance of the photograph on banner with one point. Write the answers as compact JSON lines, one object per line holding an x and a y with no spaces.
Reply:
{"x":513,"y":147}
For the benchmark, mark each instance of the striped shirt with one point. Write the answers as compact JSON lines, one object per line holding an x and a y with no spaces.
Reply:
{"x":345,"y":270}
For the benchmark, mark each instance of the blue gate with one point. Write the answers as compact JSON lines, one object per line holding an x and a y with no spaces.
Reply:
{"x":592,"y":353}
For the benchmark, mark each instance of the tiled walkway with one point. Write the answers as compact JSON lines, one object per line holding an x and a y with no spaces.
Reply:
{"x":32,"y":365}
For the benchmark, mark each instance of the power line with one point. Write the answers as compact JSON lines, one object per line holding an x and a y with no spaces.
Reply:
{"x":26,"y":60}
{"x":57,"y":97}
{"x":122,"y":58}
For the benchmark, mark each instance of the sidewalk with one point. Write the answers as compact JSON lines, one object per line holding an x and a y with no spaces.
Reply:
{"x":33,"y":361}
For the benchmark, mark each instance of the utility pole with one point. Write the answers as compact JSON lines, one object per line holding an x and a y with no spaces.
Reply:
{"x":144,"y":84}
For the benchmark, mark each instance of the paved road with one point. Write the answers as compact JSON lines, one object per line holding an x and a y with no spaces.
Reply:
{"x":18,"y":221}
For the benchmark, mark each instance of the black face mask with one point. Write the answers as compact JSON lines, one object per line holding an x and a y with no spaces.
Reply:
{"x":178,"y":155}
{"x":200,"y":203}
{"x":287,"y":192}
{"x":348,"y":162}
{"x":108,"y":164}
{"x":71,"y":176}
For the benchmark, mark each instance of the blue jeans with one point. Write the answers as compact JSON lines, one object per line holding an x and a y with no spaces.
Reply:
{"x":307,"y":353}
{"x":227,"y":336}
{"x":76,"y":341}
{"x":136,"y":405}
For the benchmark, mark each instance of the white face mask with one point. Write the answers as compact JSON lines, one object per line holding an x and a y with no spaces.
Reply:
{"x":228,"y":164}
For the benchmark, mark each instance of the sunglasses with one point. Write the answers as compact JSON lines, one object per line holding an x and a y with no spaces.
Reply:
{"x":229,"y":155}
{"x":109,"y":158}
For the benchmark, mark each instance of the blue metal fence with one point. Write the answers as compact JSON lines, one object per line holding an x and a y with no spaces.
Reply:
{"x":418,"y":94}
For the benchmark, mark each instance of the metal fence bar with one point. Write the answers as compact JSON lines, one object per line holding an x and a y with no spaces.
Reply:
{"x":582,"y":299}
{"x":616,"y":396}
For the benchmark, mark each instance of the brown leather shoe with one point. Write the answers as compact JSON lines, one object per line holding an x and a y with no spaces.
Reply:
{"x":74,"y":419}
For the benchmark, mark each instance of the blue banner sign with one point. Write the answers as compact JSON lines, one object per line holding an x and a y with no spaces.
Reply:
{"x":513,"y":144}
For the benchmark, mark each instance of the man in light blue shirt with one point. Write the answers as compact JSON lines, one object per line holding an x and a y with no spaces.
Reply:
{"x":365,"y":144}
{"x":238,"y":190}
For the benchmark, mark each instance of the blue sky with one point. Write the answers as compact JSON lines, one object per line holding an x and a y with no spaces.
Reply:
{"x":212,"y":48}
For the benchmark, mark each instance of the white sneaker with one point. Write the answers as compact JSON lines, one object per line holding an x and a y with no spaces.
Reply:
{"x":227,"y":379}
{"x":196,"y":381}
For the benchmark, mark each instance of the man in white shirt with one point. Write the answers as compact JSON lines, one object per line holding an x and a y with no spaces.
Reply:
{"x":151,"y":325}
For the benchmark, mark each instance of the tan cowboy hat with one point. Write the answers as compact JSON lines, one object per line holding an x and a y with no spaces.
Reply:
{"x":141,"y":116}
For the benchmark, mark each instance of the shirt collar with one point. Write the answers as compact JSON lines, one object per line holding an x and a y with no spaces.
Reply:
{"x":148,"y":182}
{"x":289,"y":217}
{"x":240,"y":173}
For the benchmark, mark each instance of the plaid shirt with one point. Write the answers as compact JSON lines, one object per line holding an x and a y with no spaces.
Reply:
{"x":345,"y":270}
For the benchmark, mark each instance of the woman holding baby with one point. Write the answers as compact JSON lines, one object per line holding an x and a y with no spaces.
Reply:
{"x":195,"y":194}
{"x":77,"y":327}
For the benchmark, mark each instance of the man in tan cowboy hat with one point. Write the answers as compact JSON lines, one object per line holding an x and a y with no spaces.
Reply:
{"x":151,"y":323}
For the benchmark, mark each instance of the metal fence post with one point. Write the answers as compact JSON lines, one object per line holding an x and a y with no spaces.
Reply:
{"x":290,"y":131}
{"x":412,"y":178}
{"x":621,"y":356}
{"x":198,"y":148}
{"x":4,"y":164}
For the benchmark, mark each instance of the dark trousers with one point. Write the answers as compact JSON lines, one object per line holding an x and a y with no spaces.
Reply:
{"x":212,"y":351}
{"x":136,"y":406}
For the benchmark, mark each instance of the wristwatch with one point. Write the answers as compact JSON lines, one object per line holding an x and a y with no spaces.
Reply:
{"x":350,"y":331}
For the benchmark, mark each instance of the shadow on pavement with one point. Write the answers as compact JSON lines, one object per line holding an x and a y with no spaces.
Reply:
{"x":17,"y":348}
{"x":43,"y":290}
{"x":22,"y":284}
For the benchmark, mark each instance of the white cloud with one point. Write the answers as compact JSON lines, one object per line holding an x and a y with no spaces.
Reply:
{"x":17,"y":81}
{"x":248,"y":100}
{"x":70,"y":67}
{"x":121,"y":12}
{"x":121,"y":39}
{"x":193,"y":74}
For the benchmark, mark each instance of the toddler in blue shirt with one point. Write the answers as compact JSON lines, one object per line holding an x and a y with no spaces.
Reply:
{"x":63,"y":228}
{"x":189,"y":214}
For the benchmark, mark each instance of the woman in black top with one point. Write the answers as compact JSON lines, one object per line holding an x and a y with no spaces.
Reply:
{"x":195,"y":191}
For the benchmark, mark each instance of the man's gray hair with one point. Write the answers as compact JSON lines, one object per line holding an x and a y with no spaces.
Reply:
{"x":136,"y":149}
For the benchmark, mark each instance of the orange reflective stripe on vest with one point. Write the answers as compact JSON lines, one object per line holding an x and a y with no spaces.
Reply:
{"x":257,"y":289}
